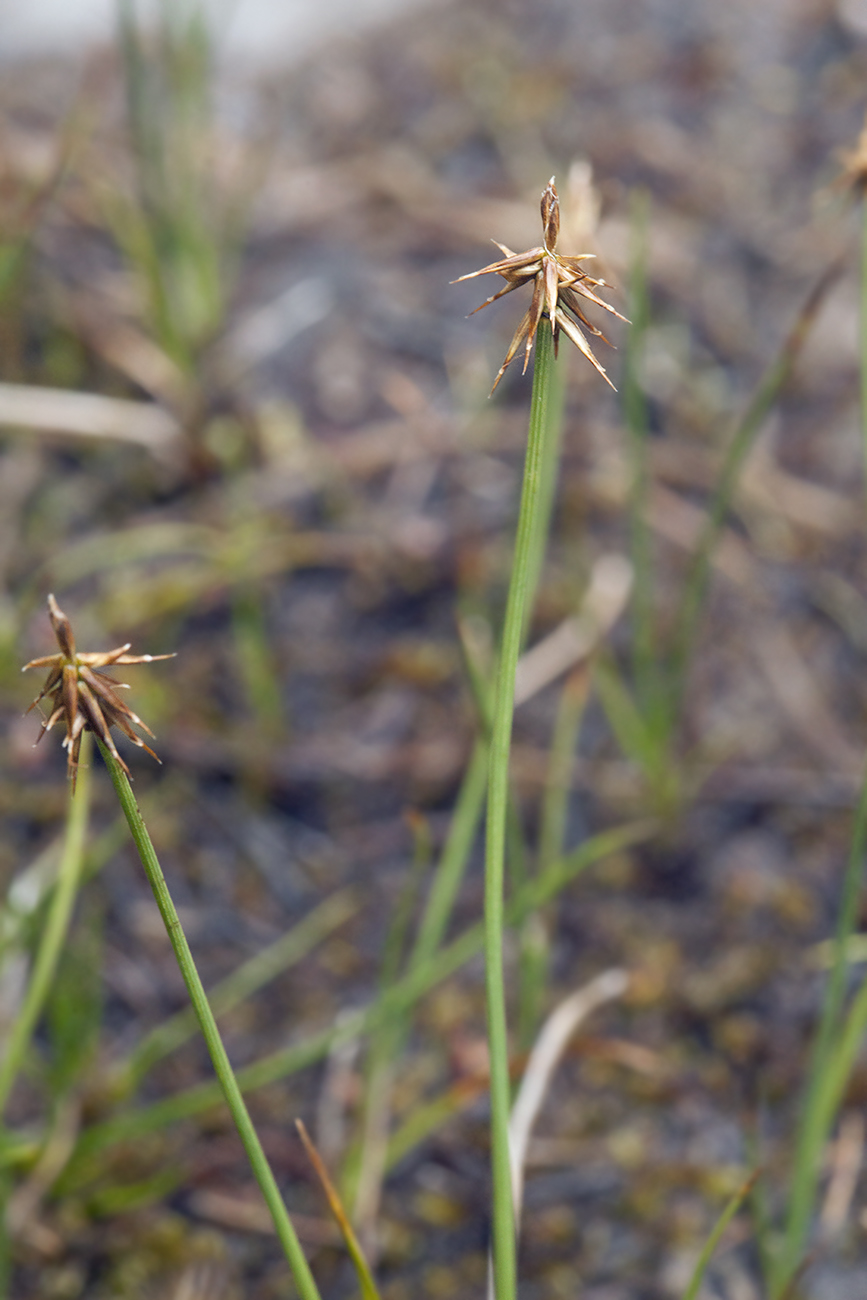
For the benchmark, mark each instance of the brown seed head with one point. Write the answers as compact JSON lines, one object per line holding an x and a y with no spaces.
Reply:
{"x":83,"y":697}
{"x":559,"y":285}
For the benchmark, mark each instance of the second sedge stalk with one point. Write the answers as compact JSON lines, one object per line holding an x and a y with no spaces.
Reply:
{"x":503,"y":1224}
{"x":264,"y":1175}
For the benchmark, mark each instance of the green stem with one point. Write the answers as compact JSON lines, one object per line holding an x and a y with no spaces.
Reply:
{"x":863,"y":359}
{"x":533,"y":941}
{"x":56,"y":928}
{"x":713,"y":1240}
{"x":549,"y":477}
{"x":503,"y":1225}
{"x":830,"y":1067}
{"x":307,"y":1288}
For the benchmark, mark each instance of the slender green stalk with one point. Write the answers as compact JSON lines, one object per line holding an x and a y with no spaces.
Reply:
{"x":863,"y":359}
{"x":760,"y":1210}
{"x":833,"y":1056}
{"x":483,"y":691}
{"x":307,"y":1288}
{"x":503,"y":1225}
{"x":729,"y":1212}
{"x":549,"y":474}
{"x":533,"y":945}
{"x":56,"y":928}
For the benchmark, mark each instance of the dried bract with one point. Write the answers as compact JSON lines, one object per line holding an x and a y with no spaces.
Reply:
{"x":83,"y":697}
{"x":559,"y":284}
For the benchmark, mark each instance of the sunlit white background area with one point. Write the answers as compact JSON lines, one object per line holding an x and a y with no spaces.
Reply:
{"x":265,"y":32}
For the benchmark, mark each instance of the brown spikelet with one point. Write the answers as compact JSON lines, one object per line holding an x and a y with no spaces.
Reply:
{"x":559,"y":284}
{"x":83,"y":696}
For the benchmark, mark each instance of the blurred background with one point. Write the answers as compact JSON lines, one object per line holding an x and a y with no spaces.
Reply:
{"x":244,"y":416}
{"x":268,"y":35}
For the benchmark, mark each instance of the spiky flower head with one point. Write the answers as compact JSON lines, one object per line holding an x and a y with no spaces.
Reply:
{"x":559,"y":284}
{"x":83,"y":697}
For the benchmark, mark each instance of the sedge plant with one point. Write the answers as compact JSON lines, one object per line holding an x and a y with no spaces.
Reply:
{"x":86,"y":700}
{"x":559,"y":284}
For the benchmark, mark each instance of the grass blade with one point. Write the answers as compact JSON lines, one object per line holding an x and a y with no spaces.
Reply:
{"x":55,"y":930}
{"x":719,"y":1228}
{"x":833,"y":1057}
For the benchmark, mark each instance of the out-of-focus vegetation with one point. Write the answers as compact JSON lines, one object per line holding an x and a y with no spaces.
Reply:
{"x":242,"y":417}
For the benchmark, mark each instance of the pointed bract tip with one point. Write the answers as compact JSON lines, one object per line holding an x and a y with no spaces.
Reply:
{"x":559,"y":284}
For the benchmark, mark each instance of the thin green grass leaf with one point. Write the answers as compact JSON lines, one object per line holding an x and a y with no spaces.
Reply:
{"x":549,"y":474}
{"x":625,"y":718}
{"x":55,"y":931}
{"x":833,"y":1057}
{"x":126,"y":1198}
{"x":502,"y":1212}
{"x":862,"y":361}
{"x":713,"y":1240}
